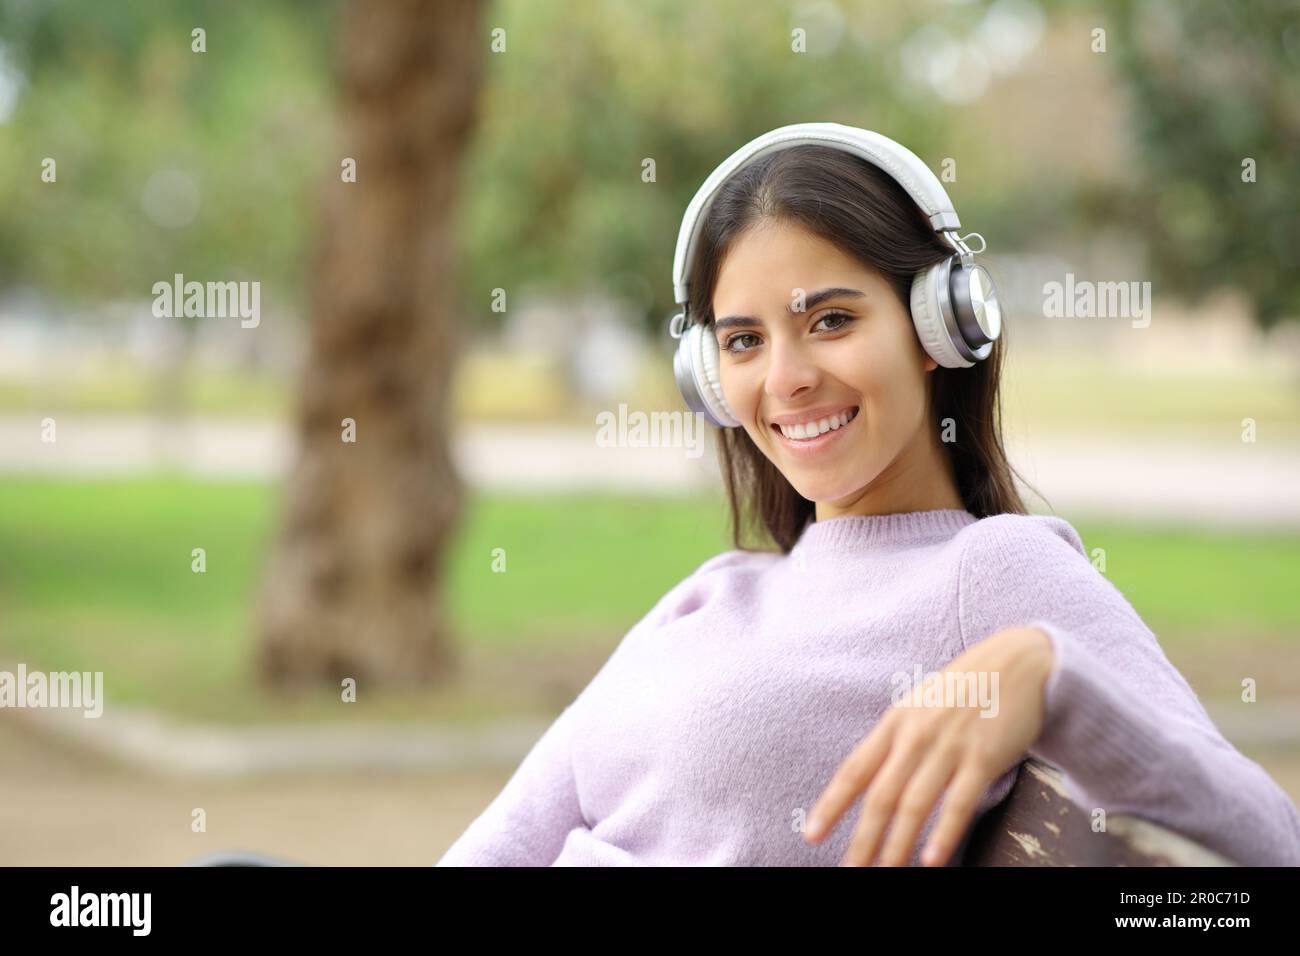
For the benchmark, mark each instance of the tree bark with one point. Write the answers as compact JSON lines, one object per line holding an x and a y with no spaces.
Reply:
{"x":351,"y":585}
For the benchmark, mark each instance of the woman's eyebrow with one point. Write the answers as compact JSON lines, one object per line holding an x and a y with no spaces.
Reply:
{"x":811,"y":301}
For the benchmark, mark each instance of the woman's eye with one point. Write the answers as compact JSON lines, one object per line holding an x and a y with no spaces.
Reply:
{"x":842,"y":317}
{"x":836,"y":315}
{"x":736,"y":338}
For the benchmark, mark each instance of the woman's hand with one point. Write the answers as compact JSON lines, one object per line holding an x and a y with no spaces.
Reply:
{"x":926,"y":743}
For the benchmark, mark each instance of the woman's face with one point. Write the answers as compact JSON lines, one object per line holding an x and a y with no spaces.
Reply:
{"x":851,"y":354}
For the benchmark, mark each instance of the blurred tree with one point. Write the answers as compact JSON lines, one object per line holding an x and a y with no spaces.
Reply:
{"x":1213,"y":85}
{"x":352,"y":584}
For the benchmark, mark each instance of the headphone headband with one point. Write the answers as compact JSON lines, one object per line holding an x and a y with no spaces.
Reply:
{"x":894,"y":158}
{"x":953,"y":304}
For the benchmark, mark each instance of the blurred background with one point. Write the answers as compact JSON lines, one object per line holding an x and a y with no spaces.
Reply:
{"x":461,"y":220}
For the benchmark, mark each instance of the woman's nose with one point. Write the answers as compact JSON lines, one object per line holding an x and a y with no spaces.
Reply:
{"x":790,"y":370}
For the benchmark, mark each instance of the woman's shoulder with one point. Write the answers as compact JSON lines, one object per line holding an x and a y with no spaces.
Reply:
{"x":1018,"y":568}
{"x":710,"y":577}
{"x":1010,"y":532}
{"x":737,"y":558}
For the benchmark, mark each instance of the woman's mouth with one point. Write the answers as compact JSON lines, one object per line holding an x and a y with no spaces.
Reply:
{"x":813,"y":436}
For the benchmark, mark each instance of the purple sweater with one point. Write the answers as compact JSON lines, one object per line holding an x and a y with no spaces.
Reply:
{"x":720,"y":717}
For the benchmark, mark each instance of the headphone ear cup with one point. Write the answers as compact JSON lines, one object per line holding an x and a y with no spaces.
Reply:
{"x":708,"y":353}
{"x":928,"y":319}
{"x":960,"y":280}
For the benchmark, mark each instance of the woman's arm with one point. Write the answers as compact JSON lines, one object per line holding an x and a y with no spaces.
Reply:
{"x":530,"y":820}
{"x":1120,"y":721}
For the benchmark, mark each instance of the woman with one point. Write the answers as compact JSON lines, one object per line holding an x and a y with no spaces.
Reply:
{"x":717,"y":731}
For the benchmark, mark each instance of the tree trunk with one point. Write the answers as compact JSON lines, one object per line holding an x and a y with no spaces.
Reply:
{"x":351,"y":588}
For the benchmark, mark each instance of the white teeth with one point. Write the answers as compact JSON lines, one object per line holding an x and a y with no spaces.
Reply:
{"x":808,"y":430}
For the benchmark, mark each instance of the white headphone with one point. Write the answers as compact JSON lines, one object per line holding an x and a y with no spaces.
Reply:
{"x":954,"y":305}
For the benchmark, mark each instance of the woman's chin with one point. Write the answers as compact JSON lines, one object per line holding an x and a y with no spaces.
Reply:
{"x":825,"y":488}
{"x":826,"y":494}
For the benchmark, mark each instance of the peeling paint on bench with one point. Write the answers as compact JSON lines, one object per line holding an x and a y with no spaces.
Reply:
{"x":1038,"y":825}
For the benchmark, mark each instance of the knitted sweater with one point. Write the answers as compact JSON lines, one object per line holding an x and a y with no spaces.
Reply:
{"x":720,"y":717}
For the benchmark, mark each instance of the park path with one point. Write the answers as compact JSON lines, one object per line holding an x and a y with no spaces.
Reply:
{"x":64,"y":806}
{"x":1172,"y":479}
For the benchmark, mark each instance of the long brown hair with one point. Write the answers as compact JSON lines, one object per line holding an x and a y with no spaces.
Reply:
{"x":850,"y":202}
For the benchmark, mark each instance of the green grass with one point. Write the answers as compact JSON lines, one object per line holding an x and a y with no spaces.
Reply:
{"x":95,"y":575}
{"x":1192,"y":585}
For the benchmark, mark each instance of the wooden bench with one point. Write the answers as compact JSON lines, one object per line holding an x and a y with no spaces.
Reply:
{"x":1038,"y":825}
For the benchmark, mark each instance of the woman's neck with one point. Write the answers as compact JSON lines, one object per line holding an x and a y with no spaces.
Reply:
{"x":919,"y":479}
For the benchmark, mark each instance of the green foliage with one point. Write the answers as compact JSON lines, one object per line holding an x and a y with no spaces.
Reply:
{"x":1211,"y":85}
{"x":584,"y":93}
{"x":553,"y":186}
{"x":113,"y":93}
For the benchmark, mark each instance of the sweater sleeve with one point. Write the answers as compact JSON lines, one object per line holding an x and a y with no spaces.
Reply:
{"x":1120,"y":722}
{"x":529,"y":821}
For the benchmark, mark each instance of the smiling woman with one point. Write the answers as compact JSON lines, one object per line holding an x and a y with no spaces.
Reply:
{"x":865,"y":369}
{"x":854,"y":367}
{"x":813,"y":217}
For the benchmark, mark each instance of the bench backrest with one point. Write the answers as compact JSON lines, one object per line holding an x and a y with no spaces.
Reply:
{"x":1038,"y":825}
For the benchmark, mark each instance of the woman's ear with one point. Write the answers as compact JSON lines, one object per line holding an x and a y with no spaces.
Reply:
{"x":930,"y":363}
